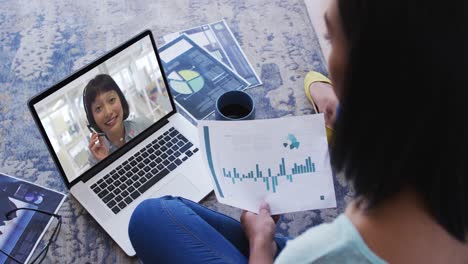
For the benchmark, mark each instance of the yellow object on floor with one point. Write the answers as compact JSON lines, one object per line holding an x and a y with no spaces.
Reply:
{"x":310,"y":78}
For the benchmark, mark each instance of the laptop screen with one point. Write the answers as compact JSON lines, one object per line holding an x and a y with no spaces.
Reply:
{"x":104,"y":108}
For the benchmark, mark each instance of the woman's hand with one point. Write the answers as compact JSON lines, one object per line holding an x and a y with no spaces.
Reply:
{"x":97,"y":147}
{"x":260,"y":231}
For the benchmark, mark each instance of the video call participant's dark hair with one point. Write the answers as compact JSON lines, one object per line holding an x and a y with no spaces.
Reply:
{"x":100,"y":84}
{"x":403,"y":116}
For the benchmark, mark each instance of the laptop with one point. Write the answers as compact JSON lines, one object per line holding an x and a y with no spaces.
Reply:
{"x":116,"y":137}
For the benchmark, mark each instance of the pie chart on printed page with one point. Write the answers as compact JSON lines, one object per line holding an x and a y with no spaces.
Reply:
{"x":186,"y":81}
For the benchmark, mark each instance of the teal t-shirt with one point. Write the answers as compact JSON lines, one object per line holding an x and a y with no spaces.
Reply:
{"x":336,"y":242}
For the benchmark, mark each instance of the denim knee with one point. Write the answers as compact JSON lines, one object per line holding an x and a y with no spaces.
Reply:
{"x":145,"y":211}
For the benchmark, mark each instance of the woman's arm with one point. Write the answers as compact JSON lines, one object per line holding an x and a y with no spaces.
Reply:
{"x":260,"y":231}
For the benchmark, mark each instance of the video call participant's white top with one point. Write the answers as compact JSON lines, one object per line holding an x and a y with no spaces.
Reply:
{"x":132,"y":129}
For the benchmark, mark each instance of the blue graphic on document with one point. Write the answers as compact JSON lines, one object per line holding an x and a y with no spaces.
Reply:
{"x":257,"y":174}
{"x":293,"y":143}
{"x":260,"y":173}
{"x":186,"y":81}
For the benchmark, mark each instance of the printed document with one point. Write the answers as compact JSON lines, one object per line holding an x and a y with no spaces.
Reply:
{"x":283,"y":161}
{"x":195,"y":77}
{"x":218,"y":39}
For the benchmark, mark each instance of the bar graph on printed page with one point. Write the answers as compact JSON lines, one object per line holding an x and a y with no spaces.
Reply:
{"x":282,"y":161}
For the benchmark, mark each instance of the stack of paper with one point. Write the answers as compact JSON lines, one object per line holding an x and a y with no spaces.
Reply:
{"x":202,"y":63}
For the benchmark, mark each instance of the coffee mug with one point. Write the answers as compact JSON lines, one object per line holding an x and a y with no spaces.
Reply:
{"x":235,"y":105}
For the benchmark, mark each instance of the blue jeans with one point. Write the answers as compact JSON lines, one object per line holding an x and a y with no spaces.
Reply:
{"x":177,"y":230}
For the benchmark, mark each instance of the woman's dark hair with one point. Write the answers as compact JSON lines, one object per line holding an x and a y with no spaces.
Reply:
{"x":403,"y":116}
{"x":100,"y":84}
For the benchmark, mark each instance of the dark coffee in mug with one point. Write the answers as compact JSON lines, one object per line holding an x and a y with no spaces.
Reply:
{"x":235,"y":111}
{"x":234,"y":105}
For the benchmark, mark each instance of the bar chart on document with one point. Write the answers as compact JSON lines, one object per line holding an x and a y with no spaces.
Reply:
{"x":282,"y":161}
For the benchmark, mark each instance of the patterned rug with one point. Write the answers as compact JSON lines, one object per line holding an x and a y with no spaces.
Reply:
{"x":44,"y":41}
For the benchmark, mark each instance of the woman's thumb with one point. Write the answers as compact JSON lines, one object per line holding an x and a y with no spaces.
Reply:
{"x":264,"y":208}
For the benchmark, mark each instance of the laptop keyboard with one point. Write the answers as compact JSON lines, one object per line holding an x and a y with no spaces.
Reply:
{"x":141,"y":171}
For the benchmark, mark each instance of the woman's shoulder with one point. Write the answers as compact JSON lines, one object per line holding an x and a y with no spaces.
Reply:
{"x":334,"y":242}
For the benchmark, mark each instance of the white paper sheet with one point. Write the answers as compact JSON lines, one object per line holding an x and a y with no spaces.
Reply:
{"x":218,"y":39}
{"x":284,"y":162}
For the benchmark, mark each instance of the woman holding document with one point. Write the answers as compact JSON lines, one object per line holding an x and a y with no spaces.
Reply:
{"x":395,"y":69}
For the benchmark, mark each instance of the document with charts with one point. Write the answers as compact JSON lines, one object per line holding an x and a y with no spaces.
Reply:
{"x":218,"y":39}
{"x":283,"y":161}
{"x":195,"y":77}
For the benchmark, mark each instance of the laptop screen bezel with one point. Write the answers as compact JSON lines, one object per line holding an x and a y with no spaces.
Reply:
{"x":124,"y":149}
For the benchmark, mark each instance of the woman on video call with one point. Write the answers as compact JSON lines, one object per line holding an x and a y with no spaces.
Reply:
{"x":107,"y":111}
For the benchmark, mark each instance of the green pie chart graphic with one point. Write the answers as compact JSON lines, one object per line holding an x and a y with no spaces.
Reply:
{"x":186,"y":81}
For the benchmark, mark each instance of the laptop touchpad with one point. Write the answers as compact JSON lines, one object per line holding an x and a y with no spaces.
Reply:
{"x":178,"y":186}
